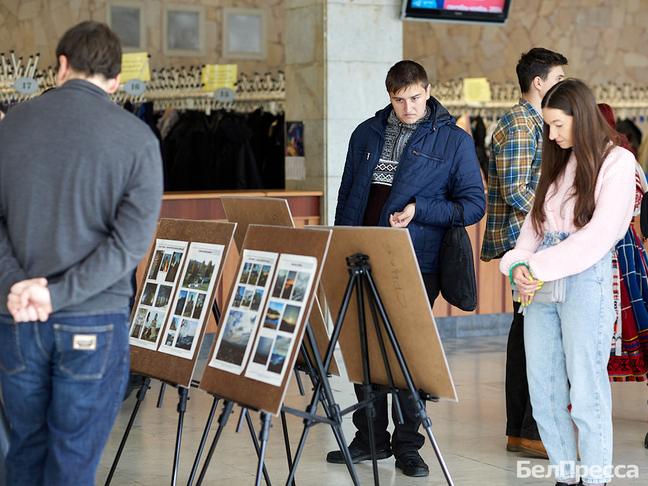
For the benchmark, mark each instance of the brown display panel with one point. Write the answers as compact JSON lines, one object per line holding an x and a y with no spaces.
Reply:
{"x":271,"y":211}
{"x":238,"y":388}
{"x":396,"y":274}
{"x":163,"y":366}
{"x":245,"y":211}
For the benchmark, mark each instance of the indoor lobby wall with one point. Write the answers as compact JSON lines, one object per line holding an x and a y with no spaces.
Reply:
{"x":604,"y":40}
{"x":30,"y":26}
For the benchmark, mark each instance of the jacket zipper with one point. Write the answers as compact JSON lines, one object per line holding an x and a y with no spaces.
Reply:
{"x":409,"y":142}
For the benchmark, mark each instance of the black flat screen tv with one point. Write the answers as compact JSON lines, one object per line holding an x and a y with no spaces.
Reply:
{"x":489,"y":11}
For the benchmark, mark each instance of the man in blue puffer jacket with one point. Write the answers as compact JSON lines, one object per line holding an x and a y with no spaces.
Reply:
{"x":409,"y":167}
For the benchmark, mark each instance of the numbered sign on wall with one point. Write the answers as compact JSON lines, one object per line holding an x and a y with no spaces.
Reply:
{"x":26,"y":86}
{"x":135,"y":87}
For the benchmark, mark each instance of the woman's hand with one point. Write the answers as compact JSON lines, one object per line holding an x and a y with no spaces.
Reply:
{"x":525,"y":283}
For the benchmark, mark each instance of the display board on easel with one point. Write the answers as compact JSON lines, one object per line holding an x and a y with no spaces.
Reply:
{"x":271,"y":211}
{"x":261,"y":329}
{"x":245,"y":211}
{"x":175,"y":298}
{"x":399,"y":281}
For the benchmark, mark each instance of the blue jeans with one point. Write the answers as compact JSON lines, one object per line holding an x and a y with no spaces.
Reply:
{"x":567,"y":349}
{"x":62,"y":385}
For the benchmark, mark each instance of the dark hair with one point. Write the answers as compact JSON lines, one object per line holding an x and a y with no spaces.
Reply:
{"x":591,"y":137}
{"x":608,"y":113}
{"x":404,"y":74}
{"x":537,"y":62}
{"x":91,"y":48}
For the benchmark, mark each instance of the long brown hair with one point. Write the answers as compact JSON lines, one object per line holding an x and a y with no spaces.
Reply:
{"x":591,"y":137}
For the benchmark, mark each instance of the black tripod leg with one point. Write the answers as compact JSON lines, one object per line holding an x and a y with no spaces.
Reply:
{"x":302,"y":440}
{"x":331,"y":407}
{"x":366,"y":379}
{"x":284,"y":427}
{"x":203,"y":441}
{"x":239,"y":424}
{"x":222,"y":421}
{"x":420,"y":403}
{"x":183,"y":394}
{"x":310,"y":368}
{"x":300,"y":385}
{"x":161,"y":395}
{"x":140,"y":398}
{"x":266,"y":419}
{"x":255,"y":441}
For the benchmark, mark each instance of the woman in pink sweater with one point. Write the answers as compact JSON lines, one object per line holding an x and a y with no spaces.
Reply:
{"x":561,"y":268}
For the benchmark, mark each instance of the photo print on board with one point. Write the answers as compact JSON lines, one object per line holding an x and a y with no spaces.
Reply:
{"x":190,"y":312}
{"x":159,"y":286}
{"x":242,"y":318}
{"x":282,"y":319}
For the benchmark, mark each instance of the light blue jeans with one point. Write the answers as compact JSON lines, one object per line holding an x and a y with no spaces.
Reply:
{"x":567,"y":352}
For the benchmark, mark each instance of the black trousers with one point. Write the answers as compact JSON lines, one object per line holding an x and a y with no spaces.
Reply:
{"x":406,"y":437}
{"x":519,"y":416}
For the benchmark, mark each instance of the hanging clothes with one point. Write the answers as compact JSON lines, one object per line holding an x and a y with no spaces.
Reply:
{"x":629,"y":350}
{"x":478,"y":128}
{"x":224,"y":150}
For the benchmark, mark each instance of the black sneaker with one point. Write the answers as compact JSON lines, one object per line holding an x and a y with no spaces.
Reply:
{"x":580,"y":483}
{"x":412,"y":464}
{"x":358,"y":454}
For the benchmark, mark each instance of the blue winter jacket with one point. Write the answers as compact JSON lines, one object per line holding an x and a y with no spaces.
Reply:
{"x":438,"y":168}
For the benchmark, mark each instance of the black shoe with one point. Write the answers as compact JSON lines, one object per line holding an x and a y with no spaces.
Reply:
{"x":580,"y":483}
{"x":412,"y":464}
{"x":358,"y":454}
{"x":135,"y":382}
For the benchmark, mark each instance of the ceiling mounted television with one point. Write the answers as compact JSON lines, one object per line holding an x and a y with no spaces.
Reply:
{"x":489,"y":11}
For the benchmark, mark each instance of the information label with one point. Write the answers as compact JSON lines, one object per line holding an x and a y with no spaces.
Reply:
{"x":135,"y":65}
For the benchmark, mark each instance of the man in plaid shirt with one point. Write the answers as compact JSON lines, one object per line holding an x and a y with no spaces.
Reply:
{"x":513,"y":174}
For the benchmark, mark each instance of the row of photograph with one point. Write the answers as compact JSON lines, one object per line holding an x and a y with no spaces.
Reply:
{"x":255,"y":274}
{"x":248,"y":297}
{"x":291,"y":285}
{"x":165,"y":266}
{"x":147,"y":325}
{"x":272,"y":354}
{"x":181,"y":333}
{"x":190,"y":304}
{"x":156,"y":295}
{"x":281,"y":316}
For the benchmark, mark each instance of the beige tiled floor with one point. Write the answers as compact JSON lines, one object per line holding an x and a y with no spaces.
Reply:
{"x":470,"y":434}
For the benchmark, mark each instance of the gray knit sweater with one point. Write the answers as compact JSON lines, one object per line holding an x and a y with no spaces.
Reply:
{"x":397,"y":134}
{"x":80,"y":195}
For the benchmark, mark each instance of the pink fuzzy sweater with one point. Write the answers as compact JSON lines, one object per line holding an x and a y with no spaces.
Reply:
{"x":615,"y":192}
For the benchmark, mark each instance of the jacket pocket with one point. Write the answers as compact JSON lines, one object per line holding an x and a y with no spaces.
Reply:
{"x":434,"y":158}
{"x":83,"y":351}
{"x":11,"y":358}
{"x":361,"y":155}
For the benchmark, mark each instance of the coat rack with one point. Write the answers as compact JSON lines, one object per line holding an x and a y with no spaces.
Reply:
{"x":169,"y":87}
{"x":182,"y":88}
{"x":628,"y":100}
{"x":17,"y":78}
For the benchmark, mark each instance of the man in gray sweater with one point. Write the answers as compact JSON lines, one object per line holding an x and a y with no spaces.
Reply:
{"x":80,"y":195}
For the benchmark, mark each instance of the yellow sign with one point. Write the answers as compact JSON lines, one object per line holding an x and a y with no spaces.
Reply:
{"x":216,"y":76}
{"x":135,"y":65}
{"x":476,"y":90}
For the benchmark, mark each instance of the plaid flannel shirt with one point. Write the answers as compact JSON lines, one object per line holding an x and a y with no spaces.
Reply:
{"x":513,"y":174}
